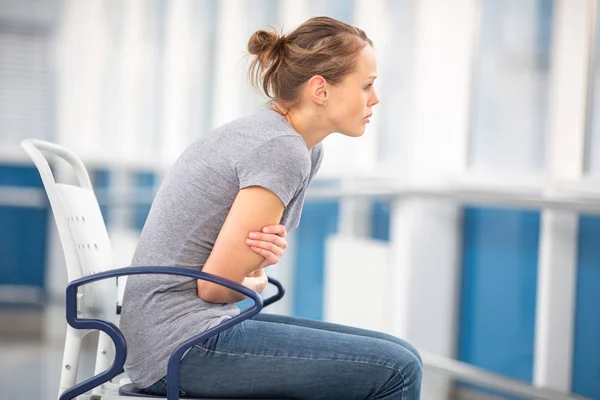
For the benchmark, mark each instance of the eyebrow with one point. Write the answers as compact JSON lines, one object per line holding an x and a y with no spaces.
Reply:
{"x":372,"y":76}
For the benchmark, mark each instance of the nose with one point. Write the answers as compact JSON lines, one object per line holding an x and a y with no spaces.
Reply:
{"x":374,"y":100}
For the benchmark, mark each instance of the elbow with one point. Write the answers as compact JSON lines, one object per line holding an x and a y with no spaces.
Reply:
{"x":214,"y":293}
{"x":208,"y":291}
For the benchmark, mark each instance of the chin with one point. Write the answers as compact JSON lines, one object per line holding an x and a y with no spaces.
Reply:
{"x":354,"y":132}
{"x":360,"y":132}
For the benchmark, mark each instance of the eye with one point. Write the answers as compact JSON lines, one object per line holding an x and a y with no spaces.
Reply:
{"x":368,"y":87}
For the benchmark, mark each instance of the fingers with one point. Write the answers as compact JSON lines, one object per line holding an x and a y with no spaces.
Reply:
{"x":275,"y":229}
{"x":270,"y":244}
{"x":276,"y":240}
{"x":276,"y":249}
{"x":269,"y":256}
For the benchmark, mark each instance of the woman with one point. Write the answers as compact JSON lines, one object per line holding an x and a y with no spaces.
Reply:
{"x":210,"y":212}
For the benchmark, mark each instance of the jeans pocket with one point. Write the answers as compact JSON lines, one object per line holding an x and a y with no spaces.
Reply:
{"x":207,"y":344}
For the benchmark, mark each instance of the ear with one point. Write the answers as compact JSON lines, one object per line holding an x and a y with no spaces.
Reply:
{"x":317,"y":88}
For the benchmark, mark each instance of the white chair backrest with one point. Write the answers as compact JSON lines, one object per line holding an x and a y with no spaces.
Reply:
{"x":81,"y":228}
{"x":87,"y":228}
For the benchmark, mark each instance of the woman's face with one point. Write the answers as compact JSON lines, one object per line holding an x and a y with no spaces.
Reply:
{"x":349,"y":103}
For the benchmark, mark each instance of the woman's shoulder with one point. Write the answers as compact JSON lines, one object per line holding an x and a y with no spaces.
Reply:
{"x":263,"y":125}
{"x":265,"y":131}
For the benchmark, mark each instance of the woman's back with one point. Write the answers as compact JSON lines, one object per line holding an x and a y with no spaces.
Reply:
{"x":159,"y":311}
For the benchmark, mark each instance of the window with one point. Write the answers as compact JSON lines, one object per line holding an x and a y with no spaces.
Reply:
{"x":394,"y":69}
{"x":510,"y":96}
{"x":26,"y":80}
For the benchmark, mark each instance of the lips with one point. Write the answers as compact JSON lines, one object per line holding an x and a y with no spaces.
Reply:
{"x":369,"y":116}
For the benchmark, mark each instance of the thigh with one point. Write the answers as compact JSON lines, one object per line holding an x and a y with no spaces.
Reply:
{"x":331,"y":327}
{"x":264,"y":359}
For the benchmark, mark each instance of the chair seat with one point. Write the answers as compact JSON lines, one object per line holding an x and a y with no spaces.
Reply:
{"x":132,"y":391}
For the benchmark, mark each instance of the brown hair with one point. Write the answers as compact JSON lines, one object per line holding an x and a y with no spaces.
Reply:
{"x":320,"y":46}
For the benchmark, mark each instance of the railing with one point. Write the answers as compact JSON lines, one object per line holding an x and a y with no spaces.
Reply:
{"x":582,"y":200}
{"x":468,"y":373}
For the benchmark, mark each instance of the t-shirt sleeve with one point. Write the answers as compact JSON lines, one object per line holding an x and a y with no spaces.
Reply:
{"x":280,"y":165}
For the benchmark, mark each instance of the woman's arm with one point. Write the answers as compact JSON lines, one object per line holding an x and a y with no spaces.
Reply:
{"x":231,"y":258}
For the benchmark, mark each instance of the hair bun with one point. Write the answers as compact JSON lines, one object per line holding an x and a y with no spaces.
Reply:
{"x":262,"y":41}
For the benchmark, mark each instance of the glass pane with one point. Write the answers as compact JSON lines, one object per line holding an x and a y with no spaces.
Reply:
{"x":261,"y":15}
{"x":338,"y":9}
{"x":593,"y":147}
{"x":510,"y":102}
{"x":130,"y":81}
{"x":26,"y":93}
{"x":394,"y":68}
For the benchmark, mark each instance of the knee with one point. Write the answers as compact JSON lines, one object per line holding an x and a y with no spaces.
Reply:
{"x":415,"y":352}
{"x":409,"y":366}
{"x":417,"y":355}
{"x":406,"y":345}
{"x":414,"y":370}
{"x":405,"y":380}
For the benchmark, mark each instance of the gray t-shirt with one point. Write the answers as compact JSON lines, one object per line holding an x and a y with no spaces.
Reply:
{"x":161,"y":311}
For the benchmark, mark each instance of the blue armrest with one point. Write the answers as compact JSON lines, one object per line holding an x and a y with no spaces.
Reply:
{"x":119,"y":340}
{"x":277,"y":296}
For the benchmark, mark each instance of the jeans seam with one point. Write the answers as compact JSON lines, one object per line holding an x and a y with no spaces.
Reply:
{"x":301,"y":358}
{"x":403,"y":384}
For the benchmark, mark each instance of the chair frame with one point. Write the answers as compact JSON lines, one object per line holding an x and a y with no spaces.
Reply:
{"x":119,"y":340}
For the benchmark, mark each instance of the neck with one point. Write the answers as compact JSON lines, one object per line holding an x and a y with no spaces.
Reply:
{"x":308,"y":122}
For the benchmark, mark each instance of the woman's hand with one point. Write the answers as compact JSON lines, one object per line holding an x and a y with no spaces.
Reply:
{"x":270,"y":243}
{"x":257,"y":280}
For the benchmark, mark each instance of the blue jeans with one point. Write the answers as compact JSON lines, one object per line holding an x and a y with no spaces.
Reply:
{"x":275,"y":356}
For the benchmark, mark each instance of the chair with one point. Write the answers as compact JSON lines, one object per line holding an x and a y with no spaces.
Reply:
{"x":91,"y":297}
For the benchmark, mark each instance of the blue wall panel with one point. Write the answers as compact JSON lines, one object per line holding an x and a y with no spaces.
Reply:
{"x":101,"y":182}
{"x":20,"y":176}
{"x":146,"y":181}
{"x":380,"y":220}
{"x":319,"y":220}
{"x":586,"y":356}
{"x":499,"y":280}
{"x":23,"y":232}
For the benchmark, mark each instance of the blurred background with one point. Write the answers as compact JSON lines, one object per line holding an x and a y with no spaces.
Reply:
{"x":465,"y":220}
